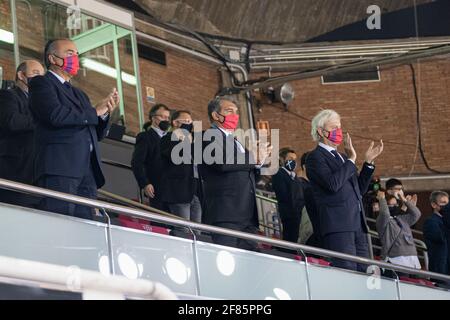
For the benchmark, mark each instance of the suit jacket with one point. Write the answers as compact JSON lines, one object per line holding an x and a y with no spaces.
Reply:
{"x":228,"y":187}
{"x":435,"y":235}
{"x":338,"y":191}
{"x":67,"y":127}
{"x":289,"y":193}
{"x":146,"y":161}
{"x":16,"y":136}
{"x":177,"y":181}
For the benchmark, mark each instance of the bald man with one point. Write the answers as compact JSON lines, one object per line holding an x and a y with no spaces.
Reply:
{"x":67,"y":132}
{"x":16,"y":132}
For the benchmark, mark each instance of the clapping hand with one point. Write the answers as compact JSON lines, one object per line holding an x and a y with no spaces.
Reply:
{"x":372,"y":153}
{"x":349,"y":149}
{"x":107,"y":105}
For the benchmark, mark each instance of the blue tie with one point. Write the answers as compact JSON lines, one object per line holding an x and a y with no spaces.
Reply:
{"x":336,"y":155}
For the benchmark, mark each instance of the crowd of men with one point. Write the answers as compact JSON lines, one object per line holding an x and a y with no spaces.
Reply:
{"x":49,"y":134}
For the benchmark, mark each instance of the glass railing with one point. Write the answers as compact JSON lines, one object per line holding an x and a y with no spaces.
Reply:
{"x":189,"y":266}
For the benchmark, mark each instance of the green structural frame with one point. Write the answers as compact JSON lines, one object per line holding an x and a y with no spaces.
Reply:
{"x":104,"y":34}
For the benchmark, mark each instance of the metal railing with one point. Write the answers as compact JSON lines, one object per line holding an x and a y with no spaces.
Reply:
{"x":420,"y":245}
{"x":24,"y":188}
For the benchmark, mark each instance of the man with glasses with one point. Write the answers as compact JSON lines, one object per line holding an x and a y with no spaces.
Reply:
{"x":68,"y":130}
{"x":436,"y":234}
{"x":146,"y":161}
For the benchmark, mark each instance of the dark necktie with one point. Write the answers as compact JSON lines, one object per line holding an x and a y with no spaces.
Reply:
{"x":70,"y":88}
{"x":336,"y":155}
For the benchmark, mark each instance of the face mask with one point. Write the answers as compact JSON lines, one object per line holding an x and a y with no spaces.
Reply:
{"x":230,"y":122}
{"x":445,"y":210}
{"x":290,"y":165}
{"x":336,"y":136}
{"x":71,"y":64}
{"x":164,"y":125}
{"x":188,"y":127}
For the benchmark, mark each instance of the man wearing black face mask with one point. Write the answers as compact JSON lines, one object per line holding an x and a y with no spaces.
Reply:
{"x":146,"y":161}
{"x":436,"y":233}
{"x":17,"y":133}
{"x":289,"y":192}
{"x":180,"y":182}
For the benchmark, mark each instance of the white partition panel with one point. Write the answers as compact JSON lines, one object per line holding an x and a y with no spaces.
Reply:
{"x":229,"y":273}
{"x":53,"y":238}
{"x":156,"y":257}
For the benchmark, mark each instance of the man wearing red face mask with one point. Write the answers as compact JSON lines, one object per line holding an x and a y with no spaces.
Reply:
{"x":228,"y":173}
{"x":338,"y":189}
{"x":67,"y":132}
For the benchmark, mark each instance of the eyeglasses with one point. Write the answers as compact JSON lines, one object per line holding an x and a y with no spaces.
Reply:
{"x":162,"y":116}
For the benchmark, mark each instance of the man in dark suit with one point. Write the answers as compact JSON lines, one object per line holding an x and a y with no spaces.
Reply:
{"x":435,"y":234}
{"x":289,"y":192}
{"x":228,"y":172}
{"x":146,"y":160}
{"x":338,"y":189}
{"x":67,"y":132}
{"x":179,"y":175}
{"x":17,"y":132}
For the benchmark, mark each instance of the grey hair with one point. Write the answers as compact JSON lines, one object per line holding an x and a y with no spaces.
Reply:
{"x":320,"y":120}
{"x":215,"y":104}
{"x":435,"y":195}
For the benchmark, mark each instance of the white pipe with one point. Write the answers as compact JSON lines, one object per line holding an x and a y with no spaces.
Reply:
{"x":75,"y":279}
{"x":203,"y":57}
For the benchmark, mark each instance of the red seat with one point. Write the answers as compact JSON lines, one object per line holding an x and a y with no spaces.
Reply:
{"x":312,"y":260}
{"x":422,"y":282}
{"x":141,"y":224}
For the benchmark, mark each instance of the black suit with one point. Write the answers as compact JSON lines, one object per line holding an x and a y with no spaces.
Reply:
{"x":16,"y":143}
{"x":435,"y":234}
{"x":338,"y":191}
{"x":177,"y":181}
{"x":147,"y":164}
{"x":289,"y":192}
{"x":66,"y":139}
{"x":229,"y":189}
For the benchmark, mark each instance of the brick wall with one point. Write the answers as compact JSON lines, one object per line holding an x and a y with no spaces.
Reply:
{"x":385,"y":109}
{"x":184,"y":83}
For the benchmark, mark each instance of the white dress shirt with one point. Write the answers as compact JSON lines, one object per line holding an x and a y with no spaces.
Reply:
{"x":159,"y":131}
{"x":329,"y":149}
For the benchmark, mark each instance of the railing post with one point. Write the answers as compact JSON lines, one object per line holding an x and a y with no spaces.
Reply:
{"x":109,"y":241}
{"x":196,"y":264}
{"x":308,"y":283}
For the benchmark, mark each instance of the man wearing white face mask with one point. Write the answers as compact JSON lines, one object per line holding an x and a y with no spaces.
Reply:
{"x":338,"y":188}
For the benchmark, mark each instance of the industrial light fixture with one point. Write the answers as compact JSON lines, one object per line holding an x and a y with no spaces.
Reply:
{"x":6,"y":36}
{"x":284,"y":94}
{"x":107,"y":70}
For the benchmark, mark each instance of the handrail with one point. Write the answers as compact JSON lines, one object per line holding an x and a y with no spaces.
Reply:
{"x":16,"y":186}
{"x":274,"y":201}
{"x":138,"y":204}
{"x":116,"y":164}
{"x":82,"y":280}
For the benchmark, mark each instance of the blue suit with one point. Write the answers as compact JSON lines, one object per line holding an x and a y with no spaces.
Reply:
{"x":338,"y":192}
{"x":435,"y":235}
{"x":66,"y":143}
